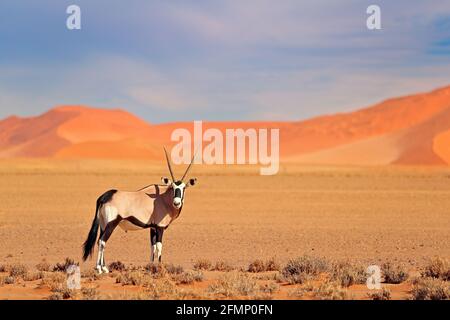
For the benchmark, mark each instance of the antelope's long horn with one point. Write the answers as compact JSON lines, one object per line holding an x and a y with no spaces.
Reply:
{"x":169,"y":165}
{"x":189,"y":167}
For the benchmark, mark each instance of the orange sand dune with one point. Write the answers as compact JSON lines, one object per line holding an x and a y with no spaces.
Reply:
{"x":407,"y":130}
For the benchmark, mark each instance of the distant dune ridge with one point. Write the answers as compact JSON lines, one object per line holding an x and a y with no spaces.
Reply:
{"x":413,"y":130}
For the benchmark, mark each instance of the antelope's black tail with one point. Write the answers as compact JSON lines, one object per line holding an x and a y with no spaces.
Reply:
{"x":88,"y":246}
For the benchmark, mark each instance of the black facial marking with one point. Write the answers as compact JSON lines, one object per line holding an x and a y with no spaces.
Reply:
{"x":177,"y":193}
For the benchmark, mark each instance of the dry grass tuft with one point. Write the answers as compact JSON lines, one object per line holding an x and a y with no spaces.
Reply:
{"x":383,"y":294}
{"x":189,"y":277}
{"x":393,"y":273}
{"x":90,"y":294}
{"x":222,"y":266}
{"x":234,"y":284}
{"x":117,"y":266}
{"x":269,"y":288}
{"x":202,"y":264}
{"x":174,"y":269}
{"x":330,"y":291}
{"x":438,"y":268}
{"x":90,"y":275}
{"x":303,"y":268}
{"x":347,"y":274}
{"x":259,"y":265}
{"x":43,"y":266}
{"x":17,"y":270}
{"x":62,"y":267}
{"x":430,"y":289}
{"x":33,"y":276}
{"x":157,"y":270}
{"x":163,"y":288}
{"x":135,"y":278}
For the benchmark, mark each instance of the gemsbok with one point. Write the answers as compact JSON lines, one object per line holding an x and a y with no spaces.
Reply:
{"x":150,"y":207}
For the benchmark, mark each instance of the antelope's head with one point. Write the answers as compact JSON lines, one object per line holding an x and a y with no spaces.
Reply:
{"x":178,"y":186}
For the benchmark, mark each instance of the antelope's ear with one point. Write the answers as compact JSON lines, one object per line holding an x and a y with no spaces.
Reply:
{"x":192,"y":181}
{"x":166,"y":181}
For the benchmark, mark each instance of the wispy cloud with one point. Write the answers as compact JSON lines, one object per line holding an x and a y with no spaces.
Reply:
{"x":185,"y":60}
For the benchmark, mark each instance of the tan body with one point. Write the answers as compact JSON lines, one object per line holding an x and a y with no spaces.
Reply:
{"x":151,"y":206}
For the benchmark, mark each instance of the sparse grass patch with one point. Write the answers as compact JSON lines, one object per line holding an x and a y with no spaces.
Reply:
{"x":234,"y":284}
{"x":438,"y":268}
{"x":174,"y":269}
{"x":61,"y":267}
{"x":393,"y":273}
{"x":347,"y":274}
{"x":430,"y":289}
{"x":135,"y":278}
{"x":202,"y":264}
{"x":157,"y":270}
{"x":222,"y":266}
{"x":299,"y":292}
{"x":162,"y":288}
{"x":303,"y":268}
{"x":189,"y":277}
{"x":90,"y":275}
{"x":90,"y":294}
{"x":17,"y":270}
{"x":272,"y":265}
{"x":269,"y":288}
{"x":33,"y":276}
{"x":53,"y":281}
{"x":43,"y":266}
{"x":330,"y":291}
{"x":383,"y":294}
{"x":117,"y":266}
{"x":257,"y":266}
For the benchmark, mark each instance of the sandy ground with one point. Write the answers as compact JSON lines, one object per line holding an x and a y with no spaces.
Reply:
{"x":368,"y":215}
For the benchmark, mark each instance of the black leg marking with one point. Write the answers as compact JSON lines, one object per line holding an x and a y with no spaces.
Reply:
{"x":159,"y":237}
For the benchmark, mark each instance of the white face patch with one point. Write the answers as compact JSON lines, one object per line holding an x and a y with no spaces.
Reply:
{"x":178,"y":194}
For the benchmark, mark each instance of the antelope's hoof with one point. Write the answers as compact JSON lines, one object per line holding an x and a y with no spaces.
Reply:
{"x":105,"y":269}
{"x":99,"y":269}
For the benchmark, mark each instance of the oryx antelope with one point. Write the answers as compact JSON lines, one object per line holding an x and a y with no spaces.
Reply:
{"x":154,"y":207}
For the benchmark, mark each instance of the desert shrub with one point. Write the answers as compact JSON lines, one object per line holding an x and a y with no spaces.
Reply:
{"x":330,"y":291}
{"x":222,"y":266}
{"x":430,"y":289}
{"x":202,"y":264}
{"x":272,"y":265}
{"x":158,"y":289}
{"x":33,"y":276}
{"x":61,"y":267}
{"x":17,"y":270}
{"x":117,"y":266}
{"x":234,"y":284}
{"x":303,"y":268}
{"x":6,"y":280}
{"x":438,"y":268}
{"x":3,"y":268}
{"x":174,"y":269}
{"x":56,"y":296}
{"x":43,"y":266}
{"x":135,"y":278}
{"x":90,"y":294}
{"x":269,"y":288}
{"x":54,"y":281}
{"x":383,"y":294}
{"x":157,"y":270}
{"x":189,"y":277}
{"x":347,"y":274}
{"x":90,"y":275}
{"x":299,"y":292}
{"x":257,"y":266}
{"x":393,"y":274}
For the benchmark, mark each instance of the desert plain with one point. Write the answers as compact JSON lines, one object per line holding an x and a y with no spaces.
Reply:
{"x":361,"y":215}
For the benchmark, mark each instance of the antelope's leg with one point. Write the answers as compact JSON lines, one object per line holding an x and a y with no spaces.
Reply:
{"x":159,"y":236}
{"x":101,"y":248}
{"x":152,"y":244}
{"x":104,"y":236}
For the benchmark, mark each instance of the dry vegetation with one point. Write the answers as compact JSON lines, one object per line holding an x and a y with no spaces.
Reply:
{"x":305,"y":277}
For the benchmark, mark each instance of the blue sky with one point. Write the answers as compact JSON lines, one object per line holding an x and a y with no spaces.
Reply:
{"x":219,"y":60}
